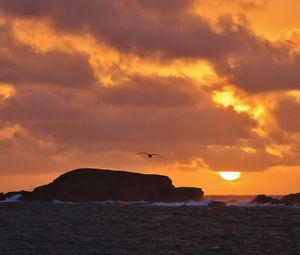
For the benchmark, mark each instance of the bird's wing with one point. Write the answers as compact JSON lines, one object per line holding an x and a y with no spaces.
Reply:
{"x":142,"y":153}
{"x":158,"y":155}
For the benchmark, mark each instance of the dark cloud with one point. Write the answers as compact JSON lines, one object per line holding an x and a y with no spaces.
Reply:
{"x":147,"y":126}
{"x":92,"y":121}
{"x":40,"y":106}
{"x":154,"y":91}
{"x":90,"y":124}
{"x":264,"y":68}
{"x":287,"y":114}
{"x":164,"y":7}
{"x":22,"y":65}
{"x":147,"y":27}
{"x":53,"y":68}
{"x":143,"y":27}
{"x":244,"y":5}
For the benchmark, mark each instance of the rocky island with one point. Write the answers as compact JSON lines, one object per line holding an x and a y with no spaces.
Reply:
{"x":291,"y":199}
{"x":91,"y":185}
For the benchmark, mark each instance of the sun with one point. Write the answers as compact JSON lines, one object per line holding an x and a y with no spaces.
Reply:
{"x":230,"y":176}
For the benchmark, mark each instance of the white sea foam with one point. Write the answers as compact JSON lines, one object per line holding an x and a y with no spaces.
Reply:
{"x":202,"y":203}
{"x":190,"y":203}
{"x":13,"y":199}
{"x":58,"y":202}
{"x":111,"y":202}
{"x":207,"y":202}
{"x":55,"y":201}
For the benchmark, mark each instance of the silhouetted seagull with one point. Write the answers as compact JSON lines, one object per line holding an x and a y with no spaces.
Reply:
{"x":150,"y":155}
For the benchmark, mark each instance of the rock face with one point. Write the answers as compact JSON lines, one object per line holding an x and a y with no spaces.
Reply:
{"x":291,"y":199}
{"x":263,"y":199}
{"x":100,"y":185}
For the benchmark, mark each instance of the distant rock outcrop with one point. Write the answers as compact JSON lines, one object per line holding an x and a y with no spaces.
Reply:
{"x":291,"y":199}
{"x":87,"y":185}
{"x":263,"y":199}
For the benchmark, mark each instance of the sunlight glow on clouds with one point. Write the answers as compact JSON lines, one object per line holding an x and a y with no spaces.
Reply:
{"x":8,"y":132}
{"x":6,"y":91}
{"x":109,"y":64}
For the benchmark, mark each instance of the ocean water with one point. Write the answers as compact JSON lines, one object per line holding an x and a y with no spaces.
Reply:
{"x":147,"y":228}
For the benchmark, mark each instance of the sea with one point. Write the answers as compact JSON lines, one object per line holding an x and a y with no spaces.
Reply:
{"x":137,"y":228}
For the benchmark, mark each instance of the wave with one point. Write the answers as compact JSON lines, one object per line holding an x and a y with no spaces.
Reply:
{"x":13,"y":199}
{"x":203,"y":203}
{"x":190,"y":203}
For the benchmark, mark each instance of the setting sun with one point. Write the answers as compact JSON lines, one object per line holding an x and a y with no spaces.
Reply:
{"x":230,"y":176}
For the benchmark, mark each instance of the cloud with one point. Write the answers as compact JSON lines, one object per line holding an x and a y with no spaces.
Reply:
{"x":88,"y":124}
{"x":235,"y":158}
{"x":245,"y":5}
{"x":74,"y":118}
{"x":171,"y":30}
{"x":39,"y":105}
{"x":142,"y":27}
{"x":264,"y":68}
{"x":154,"y":91}
{"x":24,"y":154}
{"x":65,"y":114}
{"x":22,"y":65}
{"x":287,"y":114}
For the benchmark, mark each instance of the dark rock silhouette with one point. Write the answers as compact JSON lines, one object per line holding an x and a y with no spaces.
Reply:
{"x":87,"y":185}
{"x":263,"y":199}
{"x":291,"y":199}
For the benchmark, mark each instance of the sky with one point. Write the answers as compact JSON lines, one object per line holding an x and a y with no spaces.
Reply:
{"x":211,"y":85}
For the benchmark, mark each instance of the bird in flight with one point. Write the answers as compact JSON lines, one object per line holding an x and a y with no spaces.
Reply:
{"x":150,"y":155}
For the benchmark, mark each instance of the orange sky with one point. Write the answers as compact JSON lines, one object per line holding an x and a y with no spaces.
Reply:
{"x":212,"y":85}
